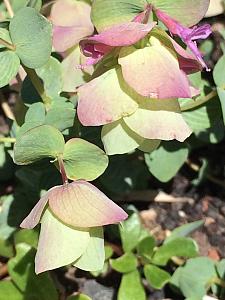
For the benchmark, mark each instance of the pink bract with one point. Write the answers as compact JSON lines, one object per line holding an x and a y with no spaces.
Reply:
{"x":79,"y":204}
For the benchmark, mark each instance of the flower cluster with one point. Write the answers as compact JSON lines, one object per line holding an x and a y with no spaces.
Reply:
{"x":141,"y":72}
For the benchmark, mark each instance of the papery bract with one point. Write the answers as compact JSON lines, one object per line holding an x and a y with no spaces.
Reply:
{"x":71,"y":217}
{"x":78,"y":204}
{"x":59,"y":245}
{"x":141,"y":67}
{"x":119,"y":35}
{"x":71,"y":22}
{"x":98,"y":105}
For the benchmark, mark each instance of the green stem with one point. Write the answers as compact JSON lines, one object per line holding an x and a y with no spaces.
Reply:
{"x":217,"y":281}
{"x":7,"y":140}
{"x":200,"y":101}
{"x":38,"y":85}
{"x":7,"y":44}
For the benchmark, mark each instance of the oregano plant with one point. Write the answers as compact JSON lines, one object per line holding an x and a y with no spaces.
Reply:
{"x":107,"y":92}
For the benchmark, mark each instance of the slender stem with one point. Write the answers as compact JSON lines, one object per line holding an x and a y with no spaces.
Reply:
{"x":196,"y":168}
{"x":7,"y":44}
{"x":9,"y":8}
{"x":62,"y":170}
{"x":7,"y":140}
{"x":38,"y":85}
{"x":200,"y":101}
{"x":217,"y":281}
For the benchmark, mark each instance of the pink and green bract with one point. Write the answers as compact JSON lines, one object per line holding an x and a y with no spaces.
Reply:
{"x":76,"y":209}
{"x":71,"y":23}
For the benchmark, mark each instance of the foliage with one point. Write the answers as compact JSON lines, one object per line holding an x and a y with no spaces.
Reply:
{"x":113,"y":92}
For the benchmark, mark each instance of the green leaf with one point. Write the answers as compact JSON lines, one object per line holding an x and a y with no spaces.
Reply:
{"x":193,"y":279}
{"x":9,"y":291}
{"x":37,"y":143}
{"x":205,"y":116}
{"x":125,"y":174}
{"x":165,"y":161}
{"x":213,"y":135}
{"x":94,"y":256}
{"x":130,"y":231}
{"x":27,"y":236}
{"x":6,"y":228}
{"x":17,"y":5}
{"x":9,"y":66}
{"x":105,"y":13}
{"x":35,"y":116}
{"x":125,"y":263}
{"x":108,"y":252}
{"x":218,"y":72}
{"x":146,"y":247}
{"x":184,"y":230}
{"x":31,"y":34}
{"x":61,"y":116}
{"x":178,"y":247}
{"x":6,"y":164}
{"x":83,"y":160}
{"x":131,"y":287}
{"x":21,"y":270}
{"x":221,"y":94}
{"x":156,"y":277}
{"x":51,"y":75}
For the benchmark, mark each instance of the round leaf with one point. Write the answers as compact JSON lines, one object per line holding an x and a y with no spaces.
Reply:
{"x":83,"y":160}
{"x":37,"y":143}
{"x":31,"y":33}
{"x":156,"y":277}
{"x":9,"y":66}
{"x":125,"y":263}
{"x":106,"y":13}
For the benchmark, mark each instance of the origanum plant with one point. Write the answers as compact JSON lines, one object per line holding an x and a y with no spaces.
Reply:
{"x":124,"y":65}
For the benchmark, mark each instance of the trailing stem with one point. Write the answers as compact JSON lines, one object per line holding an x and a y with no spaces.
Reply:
{"x":7,"y":44}
{"x":199,"y":101}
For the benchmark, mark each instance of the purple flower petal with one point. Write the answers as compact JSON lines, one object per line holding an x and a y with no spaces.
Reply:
{"x":188,"y":35}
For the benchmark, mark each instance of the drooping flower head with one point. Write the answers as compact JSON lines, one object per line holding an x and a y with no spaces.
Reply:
{"x":75,"y":209}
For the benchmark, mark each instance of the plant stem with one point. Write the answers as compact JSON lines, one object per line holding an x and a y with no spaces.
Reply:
{"x":62,"y":170}
{"x":7,"y":140}
{"x":7,"y":44}
{"x":217,"y":281}
{"x":9,"y":8}
{"x":200,"y":101}
{"x":38,"y":85}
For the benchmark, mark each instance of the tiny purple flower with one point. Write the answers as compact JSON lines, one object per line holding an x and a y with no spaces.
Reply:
{"x":188,"y":35}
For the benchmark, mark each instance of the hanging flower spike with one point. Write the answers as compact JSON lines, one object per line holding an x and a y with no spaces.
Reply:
{"x":188,"y":35}
{"x":97,"y":46}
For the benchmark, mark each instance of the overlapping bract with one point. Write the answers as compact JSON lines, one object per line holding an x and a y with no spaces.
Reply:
{"x":72,"y":216}
{"x":134,"y":93}
{"x":71,"y":23}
